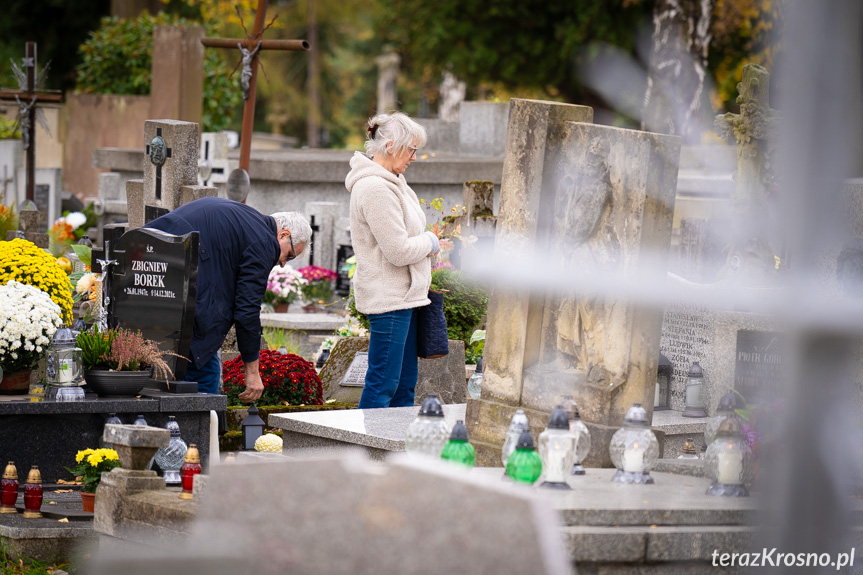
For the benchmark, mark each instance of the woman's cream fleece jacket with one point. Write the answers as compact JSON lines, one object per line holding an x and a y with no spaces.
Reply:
{"x":389,"y":238}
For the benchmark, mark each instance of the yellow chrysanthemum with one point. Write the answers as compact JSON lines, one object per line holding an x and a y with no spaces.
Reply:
{"x":111,"y":455}
{"x":82,"y":454}
{"x":24,"y":262}
{"x":94,"y":459}
{"x":269,"y":443}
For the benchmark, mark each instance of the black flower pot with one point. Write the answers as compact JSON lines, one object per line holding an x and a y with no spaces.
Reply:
{"x":117,"y":383}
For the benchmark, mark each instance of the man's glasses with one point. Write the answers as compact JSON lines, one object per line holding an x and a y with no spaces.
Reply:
{"x":413,"y":151}
{"x":293,"y":255}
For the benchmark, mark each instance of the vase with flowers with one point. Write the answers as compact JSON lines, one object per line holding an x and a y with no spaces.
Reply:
{"x":120,"y":362}
{"x":30,"y":320}
{"x":318,"y":288}
{"x":284,"y":286}
{"x":90,"y":465}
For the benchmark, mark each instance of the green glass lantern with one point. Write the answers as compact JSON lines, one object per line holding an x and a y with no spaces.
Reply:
{"x":524,"y":465}
{"x":458,"y":449}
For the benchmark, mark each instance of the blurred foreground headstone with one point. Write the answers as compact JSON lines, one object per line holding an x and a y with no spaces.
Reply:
{"x":353,"y":516}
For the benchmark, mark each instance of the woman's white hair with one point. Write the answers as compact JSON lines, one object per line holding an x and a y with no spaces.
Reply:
{"x":396,"y":127}
{"x":295,"y":222}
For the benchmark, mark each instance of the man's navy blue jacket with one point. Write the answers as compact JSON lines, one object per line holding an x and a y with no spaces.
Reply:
{"x":238,"y":248}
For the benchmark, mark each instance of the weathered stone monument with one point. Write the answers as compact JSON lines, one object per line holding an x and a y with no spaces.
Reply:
{"x":594,"y":199}
{"x":750,"y":257}
{"x":29,"y":229}
{"x":388,"y":79}
{"x":170,"y":172}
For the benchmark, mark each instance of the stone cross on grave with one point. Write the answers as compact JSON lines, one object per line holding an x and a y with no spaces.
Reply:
{"x":251,"y":47}
{"x":28,"y":94}
{"x":158,"y":152}
{"x":750,"y":257}
{"x":170,"y":172}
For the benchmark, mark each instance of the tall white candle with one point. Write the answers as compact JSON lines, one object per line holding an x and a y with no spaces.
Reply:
{"x":214,"y":437}
{"x":633,"y":459}
{"x":556,"y":466}
{"x":730,"y":468}
{"x":65,"y":369}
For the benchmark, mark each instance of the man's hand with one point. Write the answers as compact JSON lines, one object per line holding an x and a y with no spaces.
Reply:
{"x":254,"y":385}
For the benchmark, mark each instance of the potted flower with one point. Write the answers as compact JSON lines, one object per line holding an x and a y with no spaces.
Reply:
{"x":30,"y":320}
{"x":120,"y":362}
{"x":24,"y":262}
{"x":91,"y":463}
{"x":288,"y":380}
{"x":283,"y":288}
{"x":319,"y":286}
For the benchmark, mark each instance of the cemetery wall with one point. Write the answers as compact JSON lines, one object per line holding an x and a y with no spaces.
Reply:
{"x":286,"y":180}
{"x":98,"y":121}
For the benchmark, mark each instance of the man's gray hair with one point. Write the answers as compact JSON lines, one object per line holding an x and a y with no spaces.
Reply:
{"x":296,"y":223}
{"x":397,"y":127}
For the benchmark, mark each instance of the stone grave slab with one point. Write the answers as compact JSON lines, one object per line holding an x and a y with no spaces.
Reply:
{"x":153,"y":289}
{"x":443,"y":376}
{"x":369,"y":509}
{"x":378,"y":431}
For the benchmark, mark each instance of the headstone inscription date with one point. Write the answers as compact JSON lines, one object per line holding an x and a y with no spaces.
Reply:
{"x":154,"y":287}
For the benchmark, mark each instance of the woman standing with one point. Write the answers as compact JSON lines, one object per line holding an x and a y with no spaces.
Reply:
{"x":392,"y":248}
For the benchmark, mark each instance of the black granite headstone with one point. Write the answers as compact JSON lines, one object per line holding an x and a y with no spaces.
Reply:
{"x":758,"y":365}
{"x":343,"y":282}
{"x":153,"y":212}
{"x":153,"y":289}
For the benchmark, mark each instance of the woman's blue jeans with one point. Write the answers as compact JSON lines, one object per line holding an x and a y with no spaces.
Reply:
{"x":392,"y":374}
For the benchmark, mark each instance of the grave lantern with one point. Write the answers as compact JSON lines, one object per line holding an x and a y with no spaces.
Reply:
{"x":253,"y":428}
{"x":33,"y":494}
{"x":517,"y":425}
{"x":695,"y":392}
{"x":170,"y":458}
{"x":458,"y":449}
{"x":634,"y":448}
{"x":582,"y":435}
{"x":64,"y":367}
{"x":9,"y":493}
{"x":428,"y":433}
{"x":557,"y":449}
{"x":662,"y":397}
{"x":689,"y":451}
{"x":525,"y":464}
{"x":727,"y":408}
{"x":728,"y":461}
{"x":191,"y":467}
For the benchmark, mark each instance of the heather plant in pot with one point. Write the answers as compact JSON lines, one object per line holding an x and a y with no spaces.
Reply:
{"x":120,"y":362}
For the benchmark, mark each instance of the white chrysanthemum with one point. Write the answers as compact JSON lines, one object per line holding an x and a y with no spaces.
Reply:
{"x":76,"y":220}
{"x":269,"y":443}
{"x":33,"y":318}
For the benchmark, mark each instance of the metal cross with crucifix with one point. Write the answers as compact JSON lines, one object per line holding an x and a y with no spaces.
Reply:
{"x":251,"y":47}
{"x":28,"y":94}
